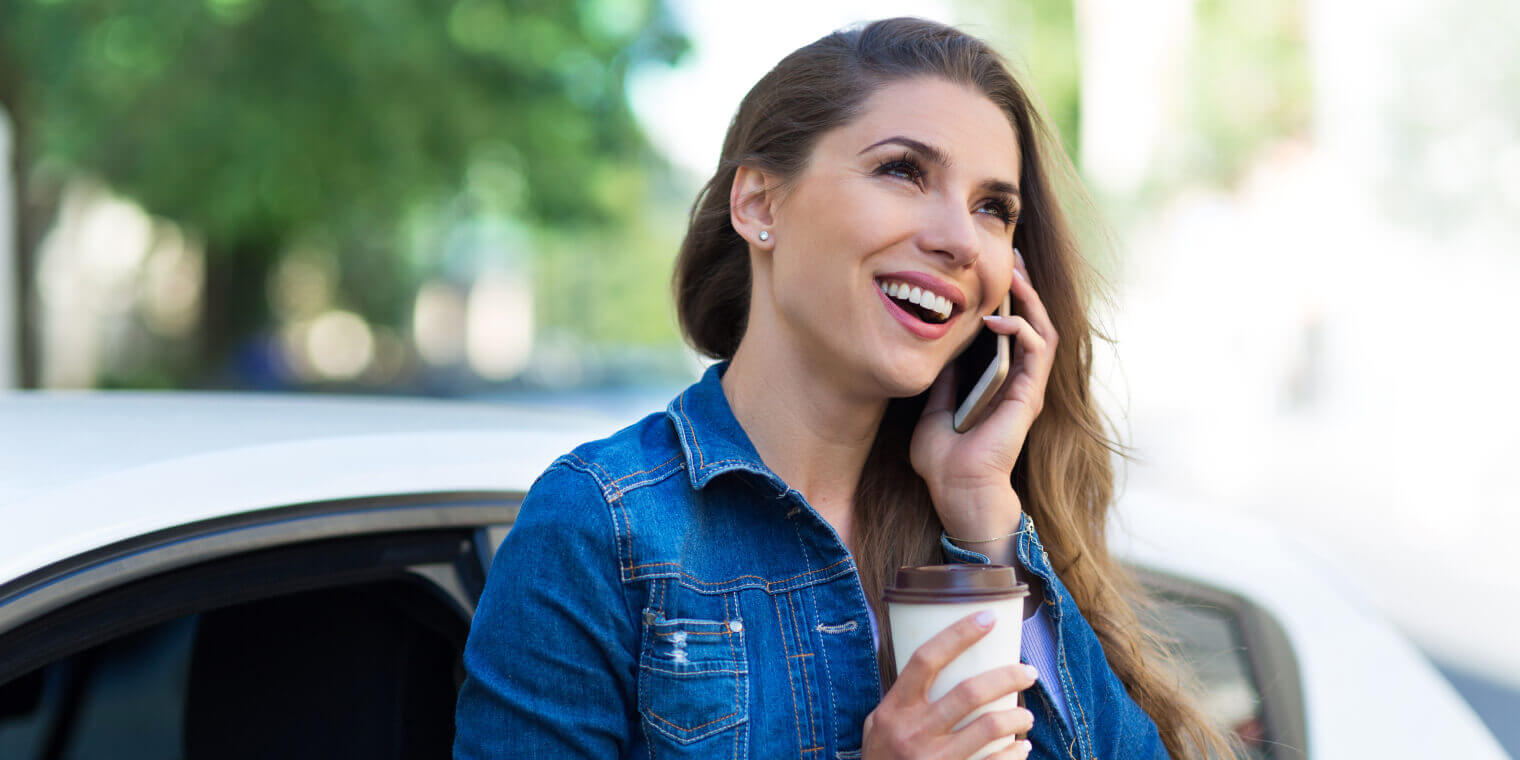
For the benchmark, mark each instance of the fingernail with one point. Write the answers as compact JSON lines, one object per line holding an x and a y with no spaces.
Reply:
{"x":1018,"y":256}
{"x":1025,"y":747}
{"x":1033,"y":673}
{"x":985,"y":618}
{"x":1019,"y":274}
{"x":991,"y":317}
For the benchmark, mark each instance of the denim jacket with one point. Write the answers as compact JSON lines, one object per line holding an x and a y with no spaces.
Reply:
{"x":664,"y":594}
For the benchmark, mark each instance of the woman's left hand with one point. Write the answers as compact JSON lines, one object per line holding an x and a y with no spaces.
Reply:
{"x":969,"y":473}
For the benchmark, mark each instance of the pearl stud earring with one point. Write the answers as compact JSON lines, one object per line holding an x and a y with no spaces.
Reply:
{"x":764,"y":235}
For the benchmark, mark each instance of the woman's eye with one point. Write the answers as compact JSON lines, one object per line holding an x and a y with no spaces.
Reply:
{"x":1000,"y":210}
{"x":903,"y":168}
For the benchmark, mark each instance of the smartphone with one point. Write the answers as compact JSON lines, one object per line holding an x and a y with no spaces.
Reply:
{"x":980,"y":372}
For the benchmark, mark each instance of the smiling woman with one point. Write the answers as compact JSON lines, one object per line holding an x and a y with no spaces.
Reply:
{"x":864,"y":213}
{"x":717,"y":571}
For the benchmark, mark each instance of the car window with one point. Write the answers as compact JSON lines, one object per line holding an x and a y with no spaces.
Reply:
{"x":123,"y":699}
{"x":309,"y":674}
{"x":1213,"y":649}
{"x":1240,"y":656}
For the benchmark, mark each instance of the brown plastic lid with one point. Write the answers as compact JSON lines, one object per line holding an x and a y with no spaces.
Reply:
{"x":953,"y":584}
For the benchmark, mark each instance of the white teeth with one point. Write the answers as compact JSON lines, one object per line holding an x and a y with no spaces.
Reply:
{"x":926,"y":299}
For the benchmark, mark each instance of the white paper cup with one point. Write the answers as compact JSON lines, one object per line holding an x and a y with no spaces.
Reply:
{"x":926,"y":600}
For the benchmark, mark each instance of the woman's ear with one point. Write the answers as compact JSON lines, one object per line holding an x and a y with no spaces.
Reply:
{"x":750,"y":204}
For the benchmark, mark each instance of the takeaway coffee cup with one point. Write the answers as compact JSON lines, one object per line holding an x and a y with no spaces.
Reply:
{"x":923,"y":601}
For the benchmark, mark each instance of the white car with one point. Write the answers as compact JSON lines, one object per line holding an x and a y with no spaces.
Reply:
{"x":225,"y":576}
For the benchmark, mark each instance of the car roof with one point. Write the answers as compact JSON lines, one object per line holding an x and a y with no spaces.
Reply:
{"x":79,"y":470}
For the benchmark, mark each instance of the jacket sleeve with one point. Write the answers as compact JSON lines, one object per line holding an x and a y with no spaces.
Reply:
{"x":551,"y":657}
{"x":1114,"y":725}
{"x":1109,"y":724}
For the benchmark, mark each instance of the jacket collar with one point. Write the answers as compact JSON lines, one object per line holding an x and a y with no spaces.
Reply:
{"x":710,"y":435}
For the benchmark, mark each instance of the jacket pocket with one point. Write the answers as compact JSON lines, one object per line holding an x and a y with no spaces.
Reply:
{"x":693,"y":677}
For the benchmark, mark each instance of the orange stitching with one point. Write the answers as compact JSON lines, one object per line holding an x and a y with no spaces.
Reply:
{"x":795,"y":656}
{"x":652,"y":564}
{"x":796,"y":718}
{"x":661,"y":719}
{"x":810,"y":572}
{"x":643,"y":472}
{"x":807,"y":685}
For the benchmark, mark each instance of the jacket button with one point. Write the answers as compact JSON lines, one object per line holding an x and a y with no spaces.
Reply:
{"x":735,"y":626}
{"x":648,"y":618}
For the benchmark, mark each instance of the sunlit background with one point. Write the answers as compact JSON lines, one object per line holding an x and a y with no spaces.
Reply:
{"x":1313,"y":209}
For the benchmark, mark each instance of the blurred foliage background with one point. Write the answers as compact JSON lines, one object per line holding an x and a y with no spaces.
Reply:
{"x":417,"y":196}
{"x":330,"y":158}
{"x":248,"y":194}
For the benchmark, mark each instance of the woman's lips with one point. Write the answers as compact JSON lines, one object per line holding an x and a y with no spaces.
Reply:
{"x":915,"y":325}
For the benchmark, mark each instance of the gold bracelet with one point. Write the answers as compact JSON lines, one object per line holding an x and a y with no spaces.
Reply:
{"x":985,"y":540}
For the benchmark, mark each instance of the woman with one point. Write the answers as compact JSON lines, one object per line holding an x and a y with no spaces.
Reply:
{"x":706,"y":583}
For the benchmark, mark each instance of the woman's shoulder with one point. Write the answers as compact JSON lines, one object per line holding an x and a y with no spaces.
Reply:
{"x":636,"y":455}
{"x":625,"y":493}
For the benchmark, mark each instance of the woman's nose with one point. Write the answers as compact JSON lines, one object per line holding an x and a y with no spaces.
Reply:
{"x":948,"y":230}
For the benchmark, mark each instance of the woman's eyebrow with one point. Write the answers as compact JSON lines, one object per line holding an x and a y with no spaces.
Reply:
{"x":1002,"y":188}
{"x":938,"y":156}
{"x":927,"y":151}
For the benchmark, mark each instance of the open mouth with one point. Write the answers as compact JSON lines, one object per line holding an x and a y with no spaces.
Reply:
{"x":920,"y":303}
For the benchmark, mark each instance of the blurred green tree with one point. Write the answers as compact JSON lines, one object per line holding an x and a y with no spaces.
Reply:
{"x":261,"y":123}
{"x":1039,"y":39}
{"x":1248,"y":87}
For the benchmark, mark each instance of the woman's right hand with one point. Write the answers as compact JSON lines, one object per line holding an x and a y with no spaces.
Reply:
{"x":907,"y":725}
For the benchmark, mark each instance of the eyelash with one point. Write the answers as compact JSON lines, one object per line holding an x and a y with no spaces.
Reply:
{"x":1002,"y":209}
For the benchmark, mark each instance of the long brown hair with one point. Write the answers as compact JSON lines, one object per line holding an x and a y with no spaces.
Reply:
{"x":1065,"y":478}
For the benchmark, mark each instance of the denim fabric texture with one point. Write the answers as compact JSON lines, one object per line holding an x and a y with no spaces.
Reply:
{"x":664,"y":594}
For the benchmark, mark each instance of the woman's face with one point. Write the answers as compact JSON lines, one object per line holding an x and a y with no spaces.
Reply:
{"x":918,"y":194}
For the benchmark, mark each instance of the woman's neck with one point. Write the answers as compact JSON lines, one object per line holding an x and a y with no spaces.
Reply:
{"x":811,"y":432}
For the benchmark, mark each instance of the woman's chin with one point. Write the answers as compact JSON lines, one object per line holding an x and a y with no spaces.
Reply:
{"x":906,"y":382}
